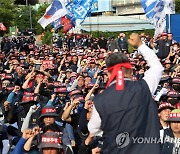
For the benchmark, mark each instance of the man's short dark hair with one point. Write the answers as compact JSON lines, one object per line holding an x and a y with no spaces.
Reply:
{"x":116,"y":58}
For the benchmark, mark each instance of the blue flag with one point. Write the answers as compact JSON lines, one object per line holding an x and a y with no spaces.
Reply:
{"x":80,"y":9}
{"x":94,"y":7}
{"x":148,"y":6}
{"x":57,"y":24}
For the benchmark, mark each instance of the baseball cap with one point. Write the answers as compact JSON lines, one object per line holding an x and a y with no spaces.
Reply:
{"x":50,"y":140}
{"x":176,"y":80}
{"x":48,"y":111}
{"x":6,"y":76}
{"x":174,"y":115}
{"x":61,"y":89}
{"x":173,"y":94}
{"x":79,"y":98}
{"x":165,"y":105}
{"x":68,"y":70}
{"x":75,"y":92}
{"x":29,"y":99}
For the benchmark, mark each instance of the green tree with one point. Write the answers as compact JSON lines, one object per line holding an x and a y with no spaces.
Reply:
{"x":47,"y":39}
{"x":22,"y":20}
{"x":7,"y":13}
{"x":177,"y":6}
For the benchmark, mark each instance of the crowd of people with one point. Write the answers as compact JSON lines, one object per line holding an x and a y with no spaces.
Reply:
{"x":47,"y":92}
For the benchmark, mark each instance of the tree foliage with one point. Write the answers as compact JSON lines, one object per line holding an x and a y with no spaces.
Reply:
{"x":177,"y":6}
{"x":22,"y":19}
{"x":19,"y":15}
{"x":7,"y":13}
{"x":23,"y":2}
{"x":47,"y":38}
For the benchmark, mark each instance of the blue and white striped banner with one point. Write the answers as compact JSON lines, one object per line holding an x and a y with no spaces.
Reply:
{"x":156,"y":11}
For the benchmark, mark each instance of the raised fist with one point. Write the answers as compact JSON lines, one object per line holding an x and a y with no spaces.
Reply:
{"x":16,"y":88}
{"x":135,"y":40}
{"x":27,"y":134}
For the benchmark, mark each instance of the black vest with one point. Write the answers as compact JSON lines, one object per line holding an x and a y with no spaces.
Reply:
{"x":126,"y":115}
{"x":167,"y":146}
{"x":164,"y":48}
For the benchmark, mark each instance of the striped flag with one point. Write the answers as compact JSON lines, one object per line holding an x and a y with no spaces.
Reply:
{"x":55,"y":11}
{"x":156,"y":11}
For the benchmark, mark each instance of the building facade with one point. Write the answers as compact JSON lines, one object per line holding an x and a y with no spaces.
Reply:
{"x":127,"y":7}
{"x":128,"y":16}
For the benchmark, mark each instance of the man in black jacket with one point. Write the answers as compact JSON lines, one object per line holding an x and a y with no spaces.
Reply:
{"x":125,"y":110}
{"x":171,"y":136}
{"x":163,"y":45}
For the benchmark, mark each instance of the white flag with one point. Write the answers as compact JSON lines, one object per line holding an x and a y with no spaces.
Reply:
{"x":164,"y":8}
{"x":55,"y":11}
{"x":156,"y":11}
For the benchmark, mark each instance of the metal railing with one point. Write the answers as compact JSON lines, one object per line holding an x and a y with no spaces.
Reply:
{"x":124,"y":2}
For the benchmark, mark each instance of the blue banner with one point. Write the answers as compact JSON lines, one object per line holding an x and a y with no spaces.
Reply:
{"x":80,"y":9}
{"x":94,"y":7}
{"x":57,"y":24}
{"x":148,"y":6}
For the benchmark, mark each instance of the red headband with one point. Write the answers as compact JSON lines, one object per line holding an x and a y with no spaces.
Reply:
{"x":117,"y":72}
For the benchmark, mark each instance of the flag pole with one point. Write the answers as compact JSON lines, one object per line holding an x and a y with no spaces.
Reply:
{"x":169,"y":22}
{"x":30,"y":16}
{"x":98,"y":23}
{"x":90,"y":25}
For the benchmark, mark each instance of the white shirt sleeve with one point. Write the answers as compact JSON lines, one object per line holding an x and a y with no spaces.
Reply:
{"x":94,"y":125}
{"x":162,"y":92}
{"x":6,"y":146}
{"x":25,"y":124}
{"x":153,"y":75}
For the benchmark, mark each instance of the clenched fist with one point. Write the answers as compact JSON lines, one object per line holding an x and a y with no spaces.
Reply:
{"x":27,"y":134}
{"x":135,"y":40}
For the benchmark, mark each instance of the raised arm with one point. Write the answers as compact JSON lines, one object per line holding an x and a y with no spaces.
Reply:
{"x":25,"y":124}
{"x":25,"y":84}
{"x":66,"y":114}
{"x":153,"y":74}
